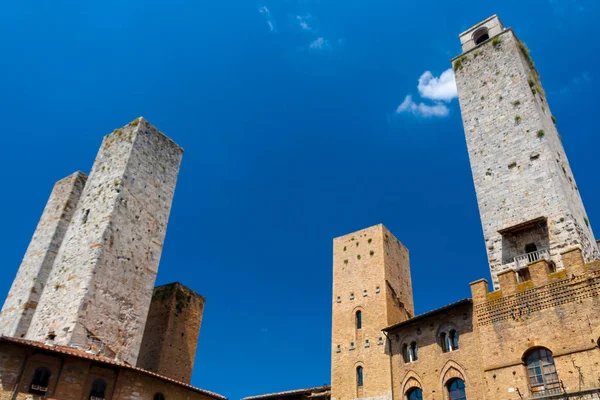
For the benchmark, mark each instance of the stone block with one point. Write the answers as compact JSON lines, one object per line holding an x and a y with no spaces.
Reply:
{"x":479,"y":291}
{"x":539,"y":272}
{"x":508,"y":282}
{"x":573,"y":261}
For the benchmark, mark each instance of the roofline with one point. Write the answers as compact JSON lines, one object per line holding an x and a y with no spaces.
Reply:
{"x":428,"y":314}
{"x":288,"y":392}
{"x":81,"y":354}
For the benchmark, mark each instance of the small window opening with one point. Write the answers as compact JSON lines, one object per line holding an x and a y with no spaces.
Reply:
{"x":443,"y":342}
{"x":359,"y":376}
{"x":523,"y":275}
{"x":481,"y":35}
{"x":449,"y":341}
{"x":530,"y":248}
{"x":86,"y":213}
{"x":159,"y":396}
{"x":410,"y":352}
{"x":359,"y":320}
{"x":98,"y":390}
{"x":39,"y":383}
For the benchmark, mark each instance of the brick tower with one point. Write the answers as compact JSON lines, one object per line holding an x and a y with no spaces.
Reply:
{"x":171,"y":334}
{"x":100,"y":287}
{"x":25,"y":292}
{"x":371,"y":289}
{"x":528,"y":200}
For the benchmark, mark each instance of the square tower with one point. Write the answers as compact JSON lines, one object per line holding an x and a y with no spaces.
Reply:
{"x":171,"y":334}
{"x":101,"y":284}
{"x":528,"y":200}
{"x":27,"y":288}
{"x":371,"y":290}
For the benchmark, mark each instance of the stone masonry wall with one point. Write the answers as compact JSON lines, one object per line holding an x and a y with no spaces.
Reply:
{"x":28,"y":285}
{"x":519,"y":166}
{"x":369,"y":274}
{"x":433,"y":368}
{"x":101,"y":284}
{"x":171,"y":334}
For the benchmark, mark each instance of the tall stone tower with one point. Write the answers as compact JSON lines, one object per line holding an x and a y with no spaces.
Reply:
{"x":528,"y":200}
{"x":171,"y":334}
{"x":25,"y":292}
{"x":371,"y":290}
{"x":100,"y":287}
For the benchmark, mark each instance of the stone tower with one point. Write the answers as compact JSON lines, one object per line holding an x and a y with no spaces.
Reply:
{"x":528,"y":200}
{"x":371,"y":290}
{"x":100,"y":287}
{"x":25,"y":292}
{"x":171,"y":334}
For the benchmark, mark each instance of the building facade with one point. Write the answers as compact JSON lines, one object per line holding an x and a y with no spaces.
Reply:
{"x":537,"y":335}
{"x":83,"y":319}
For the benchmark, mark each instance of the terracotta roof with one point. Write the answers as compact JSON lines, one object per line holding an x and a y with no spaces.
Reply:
{"x":70,"y":351}
{"x":324,"y":388}
{"x":428,"y":314}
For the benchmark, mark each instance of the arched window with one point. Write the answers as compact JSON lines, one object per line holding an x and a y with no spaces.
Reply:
{"x":456,"y":389}
{"x":449,"y":340}
{"x":39,"y":383}
{"x":542,"y":372}
{"x":98,"y":390}
{"x":481,"y":35}
{"x":414,"y":350}
{"x":453,"y":340}
{"x":410,"y":352}
{"x":443,"y":342}
{"x":359,"y":376}
{"x":414,"y":394}
{"x":159,"y":396}
{"x":358,"y":319}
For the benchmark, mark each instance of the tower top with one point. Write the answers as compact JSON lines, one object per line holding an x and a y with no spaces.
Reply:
{"x":480,"y":32}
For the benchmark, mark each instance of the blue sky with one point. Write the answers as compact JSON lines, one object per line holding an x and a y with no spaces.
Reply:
{"x":288,"y":112}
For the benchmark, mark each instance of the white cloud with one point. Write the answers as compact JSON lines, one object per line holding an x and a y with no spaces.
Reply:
{"x":422,"y":109}
{"x":442,"y":88}
{"x":270,"y":21}
{"x":303,"y":22}
{"x":319,"y":44}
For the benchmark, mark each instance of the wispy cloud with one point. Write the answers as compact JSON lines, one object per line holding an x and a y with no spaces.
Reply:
{"x":422,"y":109}
{"x":582,"y":79}
{"x":442,"y":88}
{"x":267,"y":14}
{"x":303,"y":22}
{"x":320,"y":44}
{"x":439,"y":90}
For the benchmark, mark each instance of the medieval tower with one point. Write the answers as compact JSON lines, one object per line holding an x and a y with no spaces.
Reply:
{"x":24,"y":295}
{"x":528,"y":200}
{"x":371,"y":289}
{"x":88,"y":276}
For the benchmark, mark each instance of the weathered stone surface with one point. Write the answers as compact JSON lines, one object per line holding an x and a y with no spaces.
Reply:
{"x":101,"y":283}
{"x":30,"y":282}
{"x":520,"y":169}
{"x":171,"y":334}
{"x":371,"y":274}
